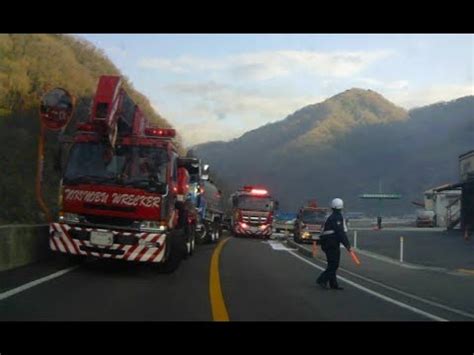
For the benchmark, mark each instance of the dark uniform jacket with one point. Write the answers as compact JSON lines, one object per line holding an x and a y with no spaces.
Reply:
{"x":334,"y":232}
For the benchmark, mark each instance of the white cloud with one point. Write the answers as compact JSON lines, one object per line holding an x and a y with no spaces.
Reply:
{"x":219,"y":99}
{"x":410,"y":98}
{"x":221,"y":112}
{"x":379,"y":84}
{"x":272,"y":64}
{"x":205,"y":131}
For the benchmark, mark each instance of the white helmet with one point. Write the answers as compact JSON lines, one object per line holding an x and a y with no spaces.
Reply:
{"x":337,"y":204}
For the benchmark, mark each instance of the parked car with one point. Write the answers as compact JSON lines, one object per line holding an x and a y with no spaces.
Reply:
{"x":425,"y":218}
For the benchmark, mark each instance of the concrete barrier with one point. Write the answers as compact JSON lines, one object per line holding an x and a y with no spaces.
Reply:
{"x":23,"y":244}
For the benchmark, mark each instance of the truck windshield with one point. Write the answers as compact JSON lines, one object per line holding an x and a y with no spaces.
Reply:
{"x":255,"y":203}
{"x":313,"y":217}
{"x":193,"y":173}
{"x":126,"y":165}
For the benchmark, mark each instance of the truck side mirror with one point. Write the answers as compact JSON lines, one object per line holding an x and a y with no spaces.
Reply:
{"x":205,"y":172}
{"x":56,"y":109}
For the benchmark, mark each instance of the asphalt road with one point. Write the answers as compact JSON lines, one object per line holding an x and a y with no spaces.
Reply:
{"x":242,"y":280}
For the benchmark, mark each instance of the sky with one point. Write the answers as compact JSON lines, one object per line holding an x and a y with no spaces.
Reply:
{"x":218,"y":86}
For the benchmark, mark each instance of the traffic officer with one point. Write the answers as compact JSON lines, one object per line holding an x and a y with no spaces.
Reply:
{"x":333,"y":234}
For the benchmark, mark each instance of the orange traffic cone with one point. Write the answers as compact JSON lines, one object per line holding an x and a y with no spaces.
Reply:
{"x":315,"y":249}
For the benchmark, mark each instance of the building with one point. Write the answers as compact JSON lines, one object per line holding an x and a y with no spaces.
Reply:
{"x":466,"y":184}
{"x":446,"y":205}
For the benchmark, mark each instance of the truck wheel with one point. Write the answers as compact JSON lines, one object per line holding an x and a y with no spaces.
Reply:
{"x":201,"y":236}
{"x":213,"y":234}
{"x":210,"y":233}
{"x":191,"y":241}
{"x":174,"y":255}
{"x":217,"y":231}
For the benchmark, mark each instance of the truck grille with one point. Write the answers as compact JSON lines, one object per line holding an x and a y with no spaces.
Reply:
{"x":254,"y":219}
{"x":109,"y":221}
{"x":109,"y":208}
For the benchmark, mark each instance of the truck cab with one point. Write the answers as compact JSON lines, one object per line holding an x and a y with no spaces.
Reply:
{"x":309,"y":223}
{"x":252,"y":212}
{"x":119,"y":191}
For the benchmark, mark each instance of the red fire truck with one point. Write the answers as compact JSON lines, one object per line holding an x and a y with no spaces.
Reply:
{"x":252,"y":212}
{"x":122,"y":194}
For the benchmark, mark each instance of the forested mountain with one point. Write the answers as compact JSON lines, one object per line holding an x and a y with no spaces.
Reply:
{"x":348,"y":145}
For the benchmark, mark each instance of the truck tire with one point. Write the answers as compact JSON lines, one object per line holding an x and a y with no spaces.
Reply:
{"x":175,"y":252}
{"x":188,"y":229}
{"x":201,"y":236}
{"x":210,"y":233}
{"x":191,"y":240}
{"x":216,"y":226}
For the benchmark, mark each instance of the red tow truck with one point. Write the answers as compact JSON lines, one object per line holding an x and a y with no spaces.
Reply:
{"x":252,"y":212}
{"x":122,"y":195}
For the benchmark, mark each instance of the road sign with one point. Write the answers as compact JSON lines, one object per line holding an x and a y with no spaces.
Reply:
{"x":381,"y":196}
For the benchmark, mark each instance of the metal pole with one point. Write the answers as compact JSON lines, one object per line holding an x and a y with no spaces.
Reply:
{"x":401,"y":249}
{"x":39,"y":174}
{"x":355,"y":239}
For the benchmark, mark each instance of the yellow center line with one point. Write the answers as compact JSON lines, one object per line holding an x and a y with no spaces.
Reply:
{"x":219,"y":310}
{"x":467,"y":271}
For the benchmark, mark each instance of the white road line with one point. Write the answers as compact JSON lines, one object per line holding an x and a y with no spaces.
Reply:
{"x":276,"y":245}
{"x":407,"y":294}
{"x":376,"y":294}
{"x":31,"y":284}
{"x":410,"y":295}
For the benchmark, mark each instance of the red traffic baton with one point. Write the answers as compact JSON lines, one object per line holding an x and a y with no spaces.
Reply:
{"x":314,"y":250}
{"x":354,"y":257}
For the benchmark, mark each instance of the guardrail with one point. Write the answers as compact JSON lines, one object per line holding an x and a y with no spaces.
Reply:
{"x":22,"y":244}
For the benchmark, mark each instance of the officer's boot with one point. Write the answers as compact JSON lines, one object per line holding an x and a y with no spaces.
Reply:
{"x":334,"y":285}
{"x":321,"y":282}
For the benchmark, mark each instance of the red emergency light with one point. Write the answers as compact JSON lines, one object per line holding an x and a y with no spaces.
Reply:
{"x":160,"y":132}
{"x":258,"y":192}
{"x":255,"y":191}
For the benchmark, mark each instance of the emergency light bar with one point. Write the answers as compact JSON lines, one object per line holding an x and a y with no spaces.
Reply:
{"x":255,"y":191}
{"x":258,"y":192}
{"x":160,"y":132}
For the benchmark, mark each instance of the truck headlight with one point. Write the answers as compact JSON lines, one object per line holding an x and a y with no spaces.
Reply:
{"x":68,"y":217}
{"x":306,"y":235}
{"x":244,"y":225}
{"x":153,"y":226}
